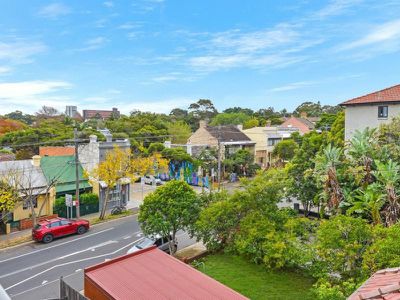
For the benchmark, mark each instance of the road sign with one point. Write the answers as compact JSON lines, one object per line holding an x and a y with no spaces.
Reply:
{"x":68,"y":200}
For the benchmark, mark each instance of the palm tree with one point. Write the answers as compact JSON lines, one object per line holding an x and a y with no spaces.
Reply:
{"x":325,"y":166}
{"x":388,"y":175}
{"x":361,"y":151}
{"x":368,"y":202}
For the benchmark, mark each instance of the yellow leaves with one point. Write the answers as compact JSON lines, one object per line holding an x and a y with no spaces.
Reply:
{"x":8,"y":197}
{"x":119,"y":164}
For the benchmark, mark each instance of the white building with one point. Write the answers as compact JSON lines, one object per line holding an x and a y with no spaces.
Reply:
{"x":371,"y":110}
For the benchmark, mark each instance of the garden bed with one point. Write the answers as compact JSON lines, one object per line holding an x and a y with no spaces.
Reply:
{"x":254,"y":281}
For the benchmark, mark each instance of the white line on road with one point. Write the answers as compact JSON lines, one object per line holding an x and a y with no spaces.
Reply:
{"x":70,"y":262}
{"x":61,"y":244}
{"x":92,"y":248}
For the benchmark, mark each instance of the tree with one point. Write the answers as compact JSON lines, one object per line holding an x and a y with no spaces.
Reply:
{"x":179,"y":132}
{"x":176,"y":154}
{"x":7,"y":125}
{"x":156,"y":148}
{"x":253,"y":122}
{"x":20,"y":116}
{"x":170,"y":208}
{"x":285,"y":150}
{"x":203,"y":109}
{"x":230,"y":119}
{"x":8,"y":198}
{"x":246,"y":111}
{"x":178,"y":114}
{"x":336,"y":134}
{"x":47,"y":112}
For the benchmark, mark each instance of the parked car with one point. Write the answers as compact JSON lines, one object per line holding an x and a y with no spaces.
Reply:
{"x":48,"y":230}
{"x":150,"y":179}
{"x":160,"y":242}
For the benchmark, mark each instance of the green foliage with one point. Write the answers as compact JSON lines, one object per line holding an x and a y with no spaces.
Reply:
{"x":336,"y":134}
{"x":176,"y":154}
{"x":8,"y":197}
{"x":170,"y":208}
{"x":240,"y":162}
{"x":253,"y":122}
{"x":326,"y":121}
{"x":230,"y":119}
{"x":179,"y":132}
{"x":155,"y":147}
{"x":285,"y":150}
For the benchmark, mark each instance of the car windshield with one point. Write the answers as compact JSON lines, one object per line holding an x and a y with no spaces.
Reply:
{"x":145,"y":243}
{"x":37,"y":227}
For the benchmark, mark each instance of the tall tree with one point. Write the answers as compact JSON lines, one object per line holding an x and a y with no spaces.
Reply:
{"x":170,"y":208}
{"x":179,"y":132}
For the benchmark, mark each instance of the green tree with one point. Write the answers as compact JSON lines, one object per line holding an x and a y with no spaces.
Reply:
{"x":179,"y":132}
{"x":230,"y":119}
{"x":156,"y":147}
{"x":285,"y":150}
{"x":170,"y":208}
{"x":336,"y":134}
{"x":253,"y":122}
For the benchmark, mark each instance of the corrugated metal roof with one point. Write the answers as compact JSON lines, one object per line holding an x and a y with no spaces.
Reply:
{"x":153,"y":274}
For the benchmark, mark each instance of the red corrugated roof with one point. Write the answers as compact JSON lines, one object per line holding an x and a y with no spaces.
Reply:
{"x":384,"y":284}
{"x":390,"y":94}
{"x":56,"y":151}
{"x":153,"y":274}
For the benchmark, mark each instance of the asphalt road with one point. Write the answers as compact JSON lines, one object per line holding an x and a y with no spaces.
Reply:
{"x":32,"y":271}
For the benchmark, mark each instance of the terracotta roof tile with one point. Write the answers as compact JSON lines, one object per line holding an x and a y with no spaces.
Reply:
{"x":56,"y":151}
{"x":390,"y":94}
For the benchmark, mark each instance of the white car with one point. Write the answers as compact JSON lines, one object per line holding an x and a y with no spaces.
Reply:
{"x":150,"y":179}
{"x":160,"y":242}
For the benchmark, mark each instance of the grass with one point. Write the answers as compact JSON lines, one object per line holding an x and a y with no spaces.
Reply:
{"x":254,"y":281}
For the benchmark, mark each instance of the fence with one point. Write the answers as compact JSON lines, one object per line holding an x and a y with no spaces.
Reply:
{"x":69,"y":293}
{"x":85,"y":209}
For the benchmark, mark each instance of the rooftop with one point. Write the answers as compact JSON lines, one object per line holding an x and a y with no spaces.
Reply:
{"x":228,"y":133}
{"x":390,"y":94}
{"x":384,"y":284}
{"x":153,"y":274}
{"x":56,"y":151}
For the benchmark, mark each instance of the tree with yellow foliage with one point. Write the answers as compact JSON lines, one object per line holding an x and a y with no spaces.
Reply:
{"x":119,"y":164}
{"x":8,"y":198}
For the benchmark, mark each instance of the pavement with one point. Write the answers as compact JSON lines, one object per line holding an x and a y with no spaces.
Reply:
{"x":32,"y":271}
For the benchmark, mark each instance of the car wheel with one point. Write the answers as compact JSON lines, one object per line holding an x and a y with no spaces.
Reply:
{"x":47,"y":238}
{"x":81,"y":230}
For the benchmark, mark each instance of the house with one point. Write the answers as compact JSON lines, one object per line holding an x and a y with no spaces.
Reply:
{"x":266,"y":138}
{"x":230,"y":137}
{"x":101,"y":114}
{"x":384,"y":284}
{"x":371,"y":110}
{"x":303,"y":124}
{"x":91,"y":155}
{"x":151,"y":274}
{"x":61,"y":171}
{"x":28,"y":178}
{"x":56,"y":151}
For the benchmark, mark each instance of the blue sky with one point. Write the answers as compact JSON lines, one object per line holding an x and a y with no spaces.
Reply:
{"x":155,"y":55}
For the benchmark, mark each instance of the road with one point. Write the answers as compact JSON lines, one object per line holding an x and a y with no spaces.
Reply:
{"x":31,"y":271}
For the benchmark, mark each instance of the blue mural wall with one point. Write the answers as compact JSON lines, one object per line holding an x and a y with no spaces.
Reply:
{"x":185,"y":171}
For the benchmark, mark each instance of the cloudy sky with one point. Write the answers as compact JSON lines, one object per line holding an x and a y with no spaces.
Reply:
{"x":155,"y":55}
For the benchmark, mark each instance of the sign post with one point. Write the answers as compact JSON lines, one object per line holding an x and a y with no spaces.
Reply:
{"x":68,"y":204}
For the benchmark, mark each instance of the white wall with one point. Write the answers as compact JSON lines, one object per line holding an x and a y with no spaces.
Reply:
{"x":362,"y":116}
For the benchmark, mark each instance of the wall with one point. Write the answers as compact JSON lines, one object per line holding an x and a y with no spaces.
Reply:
{"x":201,"y":137}
{"x":19,"y":213}
{"x":89,"y":155}
{"x":362,"y":116}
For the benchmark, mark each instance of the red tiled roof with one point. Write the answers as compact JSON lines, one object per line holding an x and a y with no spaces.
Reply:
{"x":56,"y":151}
{"x":384,"y":284}
{"x":153,"y":274}
{"x":390,"y":94}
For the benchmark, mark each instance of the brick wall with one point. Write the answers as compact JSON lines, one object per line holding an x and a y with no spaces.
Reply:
{"x":27,"y":223}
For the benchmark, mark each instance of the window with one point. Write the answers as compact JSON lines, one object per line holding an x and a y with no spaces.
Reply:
{"x":64,"y":222}
{"x":27,"y":205}
{"x":273,"y":141}
{"x":383,"y":112}
{"x":55,"y":224}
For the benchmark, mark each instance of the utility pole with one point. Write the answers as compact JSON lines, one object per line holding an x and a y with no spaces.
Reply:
{"x":219,"y":157}
{"x":78,"y":212}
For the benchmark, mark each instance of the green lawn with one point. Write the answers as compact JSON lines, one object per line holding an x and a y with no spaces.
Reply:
{"x":253,"y":281}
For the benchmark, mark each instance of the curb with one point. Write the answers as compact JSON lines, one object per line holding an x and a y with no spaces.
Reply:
{"x":134,"y":210}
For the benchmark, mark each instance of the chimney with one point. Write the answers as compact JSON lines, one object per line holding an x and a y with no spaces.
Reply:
{"x":202,"y":124}
{"x":108,"y":138}
{"x":240,"y":127}
{"x":303,"y":115}
{"x":36,"y":160}
{"x":268,"y":123}
{"x":93,"y":138}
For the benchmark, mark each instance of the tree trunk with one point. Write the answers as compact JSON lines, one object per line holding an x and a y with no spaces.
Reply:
{"x":105,"y":202}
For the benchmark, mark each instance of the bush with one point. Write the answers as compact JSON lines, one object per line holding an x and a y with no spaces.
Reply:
{"x":85,"y":199}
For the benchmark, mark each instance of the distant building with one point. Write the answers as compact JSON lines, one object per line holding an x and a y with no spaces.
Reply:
{"x":266,"y":138}
{"x":371,"y":110}
{"x":101,"y":114}
{"x":56,"y":151}
{"x":230,"y":137}
{"x":71,"y":111}
{"x":303,"y":124}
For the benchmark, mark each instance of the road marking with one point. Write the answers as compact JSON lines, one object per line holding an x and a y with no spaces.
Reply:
{"x":41,"y":286}
{"x":44,"y":282}
{"x":78,"y":270}
{"x":57,"y":258}
{"x":68,"y":263}
{"x":61,"y":244}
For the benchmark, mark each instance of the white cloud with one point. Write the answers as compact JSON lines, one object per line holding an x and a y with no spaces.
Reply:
{"x":336,"y":7}
{"x":129,"y":26}
{"x":20,"y":51}
{"x":4,"y":70}
{"x":292,"y":86}
{"x":93,"y":44}
{"x":31,"y":95}
{"x":381,"y":35}
{"x":54,"y":10}
{"x":108,"y":4}
{"x":160,"y":106}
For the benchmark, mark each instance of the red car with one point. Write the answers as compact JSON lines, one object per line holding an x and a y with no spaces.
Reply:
{"x":47,"y":230}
